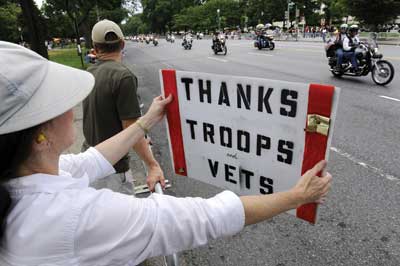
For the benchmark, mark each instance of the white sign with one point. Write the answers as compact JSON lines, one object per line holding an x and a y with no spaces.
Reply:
{"x":243,"y":134}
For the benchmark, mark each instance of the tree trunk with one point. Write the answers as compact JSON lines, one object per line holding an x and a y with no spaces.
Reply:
{"x":87,"y":33}
{"x":35,"y":26}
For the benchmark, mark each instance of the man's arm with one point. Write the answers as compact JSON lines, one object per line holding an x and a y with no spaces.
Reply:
{"x":155,"y":174}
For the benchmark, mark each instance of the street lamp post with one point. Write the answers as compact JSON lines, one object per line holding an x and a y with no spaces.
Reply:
{"x":20,"y":35}
{"x":219,"y":20}
{"x":288,"y":13}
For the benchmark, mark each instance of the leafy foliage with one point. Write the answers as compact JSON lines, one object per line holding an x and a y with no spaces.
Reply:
{"x":9,"y":13}
{"x":374,"y":12}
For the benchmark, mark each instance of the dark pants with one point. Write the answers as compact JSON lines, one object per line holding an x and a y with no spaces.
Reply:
{"x":263,"y":38}
{"x":339,"y":55}
{"x":352,"y":57}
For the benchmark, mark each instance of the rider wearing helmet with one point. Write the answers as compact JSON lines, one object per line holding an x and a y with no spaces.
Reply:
{"x":215,"y":38}
{"x":350,"y":44}
{"x":261,"y":32}
{"x":268,"y":29}
{"x":342,"y":34}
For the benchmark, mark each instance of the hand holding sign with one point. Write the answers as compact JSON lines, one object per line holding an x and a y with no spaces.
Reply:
{"x":156,"y":111}
{"x":312,"y":188}
{"x":309,"y":189}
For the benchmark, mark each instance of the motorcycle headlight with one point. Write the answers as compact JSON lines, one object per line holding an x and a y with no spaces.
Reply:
{"x":376,"y":50}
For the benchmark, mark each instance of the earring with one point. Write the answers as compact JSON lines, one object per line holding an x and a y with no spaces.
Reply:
{"x":41,"y":138}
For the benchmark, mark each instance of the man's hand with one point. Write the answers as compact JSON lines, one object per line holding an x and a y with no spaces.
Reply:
{"x":155,"y":174}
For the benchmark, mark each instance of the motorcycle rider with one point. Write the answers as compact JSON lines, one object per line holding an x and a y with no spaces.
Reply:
{"x":261,"y":34}
{"x":342,"y":34}
{"x":268,"y":29}
{"x":350,"y":43}
{"x":215,"y":39}
{"x":187,"y":38}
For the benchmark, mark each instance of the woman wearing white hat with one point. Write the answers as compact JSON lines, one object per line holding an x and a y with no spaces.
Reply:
{"x":49,"y":214}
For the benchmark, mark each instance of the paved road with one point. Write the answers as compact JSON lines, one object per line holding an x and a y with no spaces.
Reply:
{"x":360,"y":224}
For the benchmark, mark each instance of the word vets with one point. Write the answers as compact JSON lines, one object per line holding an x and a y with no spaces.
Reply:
{"x":239,"y":176}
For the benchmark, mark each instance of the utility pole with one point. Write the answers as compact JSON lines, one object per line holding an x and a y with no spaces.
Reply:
{"x":219,"y":20}
{"x":288,"y":13}
{"x":97,"y":12}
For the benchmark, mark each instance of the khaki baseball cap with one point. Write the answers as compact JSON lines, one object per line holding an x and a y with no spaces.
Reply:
{"x":103,"y":27}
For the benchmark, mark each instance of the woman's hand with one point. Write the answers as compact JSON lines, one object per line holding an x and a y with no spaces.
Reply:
{"x":312,"y":188}
{"x":155,"y":175}
{"x":156,"y":111}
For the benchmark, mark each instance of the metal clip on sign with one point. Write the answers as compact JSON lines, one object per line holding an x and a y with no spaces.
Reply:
{"x":318,"y":124}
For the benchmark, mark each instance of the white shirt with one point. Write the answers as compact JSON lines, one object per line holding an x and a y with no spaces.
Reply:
{"x":346,"y":43}
{"x":60,"y":220}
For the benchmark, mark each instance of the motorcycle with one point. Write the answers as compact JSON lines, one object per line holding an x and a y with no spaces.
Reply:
{"x":369,"y":61}
{"x":147,"y":40}
{"x":266,"y":42}
{"x":170,"y":38}
{"x":187,"y":43}
{"x":155,"y":41}
{"x":219,"y":45}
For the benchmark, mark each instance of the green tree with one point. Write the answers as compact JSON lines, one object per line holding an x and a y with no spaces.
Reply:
{"x":335,"y":10}
{"x":9,"y":13}
{"x":84,"y":13}
{"x":35,"y":25}
{"x":159,"y":14}
{"x":203,"y":17}
{"x":134,"y":25}
{"x":58,"y":22}
{"x":309,"y":8}
{"x":374,"y":13}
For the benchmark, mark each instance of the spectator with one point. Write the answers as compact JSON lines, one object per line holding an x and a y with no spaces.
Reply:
{"x":113,"y":105}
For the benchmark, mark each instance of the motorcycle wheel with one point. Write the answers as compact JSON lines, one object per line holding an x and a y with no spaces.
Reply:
{"x":225,"y":50}
{"x":215,"y":51}
{"x":272,"y":46}
{"x":259,"y":46}
{"x":384,"y":74}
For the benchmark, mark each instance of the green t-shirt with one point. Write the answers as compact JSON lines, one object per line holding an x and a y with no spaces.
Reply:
{"x":113,"y":99}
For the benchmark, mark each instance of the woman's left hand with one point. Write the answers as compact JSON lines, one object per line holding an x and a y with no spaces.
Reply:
{"x":155,"y":174}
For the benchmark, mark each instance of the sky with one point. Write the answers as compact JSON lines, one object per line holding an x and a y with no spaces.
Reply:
{"x":39,"y":3}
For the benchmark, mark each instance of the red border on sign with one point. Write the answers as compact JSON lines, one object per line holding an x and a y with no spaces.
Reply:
{"x":320,"y":100}
{"x":174,"y":122}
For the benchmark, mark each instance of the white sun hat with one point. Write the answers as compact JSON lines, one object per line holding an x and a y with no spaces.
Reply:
{"x":34,"y":90}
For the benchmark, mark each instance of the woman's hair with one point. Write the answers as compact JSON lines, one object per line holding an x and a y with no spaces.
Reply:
{"x":15,"y":149}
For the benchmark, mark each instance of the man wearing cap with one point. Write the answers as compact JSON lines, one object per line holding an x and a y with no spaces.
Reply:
{"x":113,"y":105}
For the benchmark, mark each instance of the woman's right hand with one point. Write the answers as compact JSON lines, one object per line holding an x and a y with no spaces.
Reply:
{"x":312,"y":188}
{"x":156,"y":111}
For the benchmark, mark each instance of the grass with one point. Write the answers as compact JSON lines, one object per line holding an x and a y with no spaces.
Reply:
{"x":68,"y":57}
